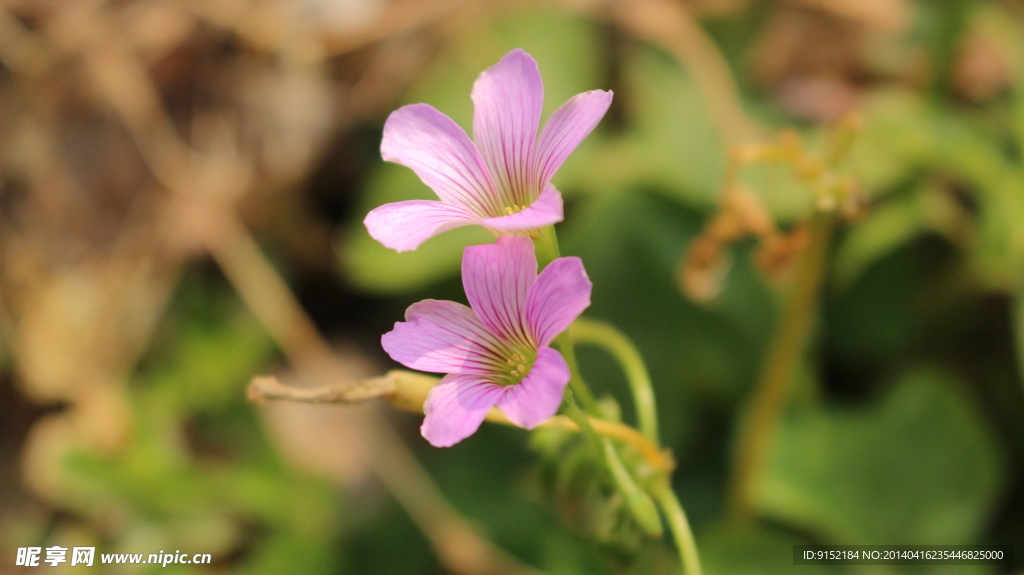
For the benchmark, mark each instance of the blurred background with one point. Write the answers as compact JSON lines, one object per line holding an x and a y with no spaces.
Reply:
{"x":182,"y":185}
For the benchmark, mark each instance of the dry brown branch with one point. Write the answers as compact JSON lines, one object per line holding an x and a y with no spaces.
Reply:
{"x":20,"y":50}
{"x":408,"y":391}
{"x":269,"y":27}
{"x":399,"y":18}
{"x":268,"y":388}
{"x":265,"y":293}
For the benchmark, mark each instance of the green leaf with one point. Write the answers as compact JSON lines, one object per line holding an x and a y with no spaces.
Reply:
{"x":211,"y":346}
{"x":376,"y":269}
{"x":897,"y":139}
{"x":886,"y":228}
{"x":998,"y":186}
{"x":895,"y":222}
{"x":919,"y":467}
{"x":748,"y":549}
{"x":1018,"y":327}
{"x":670,"y":143}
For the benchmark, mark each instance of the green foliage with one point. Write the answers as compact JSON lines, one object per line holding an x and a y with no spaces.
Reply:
{"x":165,"y":491}
{"x":733,"y":549}
{"x":574,"y":480}
{"x":917,"y":467}
{"x":918,"y":460}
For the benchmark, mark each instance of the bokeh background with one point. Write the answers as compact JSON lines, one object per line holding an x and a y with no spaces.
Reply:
{"x":182,"y":184}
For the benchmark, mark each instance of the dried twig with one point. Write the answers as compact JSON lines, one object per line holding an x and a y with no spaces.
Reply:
{"x":266,"y":388}
{"x":407,"y":390}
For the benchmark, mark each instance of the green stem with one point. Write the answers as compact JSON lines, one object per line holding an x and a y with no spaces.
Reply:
{"x":573,"y":412}
{"x":757,"y":434}
{"x":576,"y":383}
{"x":546,"y":247}
{"x":679,"y":525}
{"x":588,"y":331}
{"x":640,"y":504}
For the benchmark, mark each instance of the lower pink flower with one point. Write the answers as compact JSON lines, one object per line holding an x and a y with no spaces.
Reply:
{"x":496,"y":352}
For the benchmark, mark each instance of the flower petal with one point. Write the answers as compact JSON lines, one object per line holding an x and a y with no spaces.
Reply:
{"x":566,"y":128}
{"x":442,"y":337}
{"x":557,"y":298}
{"x":442,"y":155}
{"x":403,"y":226}
{"x":546,"y":210}
{"x":507,"y":101}
{"x":456,"y":407}
{"x":497,"y":278}
{"x":537,"y":397}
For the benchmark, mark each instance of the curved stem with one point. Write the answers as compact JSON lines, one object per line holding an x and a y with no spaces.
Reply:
{"x":680,"y":527}
{"x":545,"y":243}
{"x":583,"y":424}
{"x":639,"y":503}
{"x":660,"y":461}
{"x":576,"y":383}
{"x":618,"y":345}
{"x":757,"y":434}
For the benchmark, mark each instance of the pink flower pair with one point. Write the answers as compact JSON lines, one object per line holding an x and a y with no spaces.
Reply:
{"x":495,"y":352}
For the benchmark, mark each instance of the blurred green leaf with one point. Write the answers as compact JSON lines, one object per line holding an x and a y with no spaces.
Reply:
{"x":289,"y":552}
{"x":998,"y":186}
{"x":374,"y":268}
{"x":173,"y":484}
{"x":882,"y":231}
{"x":669,"y":143}
{"x":747,"y":549}
{"x":212,"y":364}
{"x":919,"y":467}
{"x":632,"y":242}
{"x":1018,"y":330}
{"x":893,"y":223}
{"x":897,"y":140}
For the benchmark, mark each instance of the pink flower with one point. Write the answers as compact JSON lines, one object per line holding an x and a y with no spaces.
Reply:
{"x":503,"y":181}
{"x":495,"y":352}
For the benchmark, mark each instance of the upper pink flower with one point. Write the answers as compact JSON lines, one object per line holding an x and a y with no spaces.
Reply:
{"x":496,"y":351}
{"x":503,"y":181}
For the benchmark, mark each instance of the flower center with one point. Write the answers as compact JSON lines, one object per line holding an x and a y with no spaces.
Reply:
{"x":518,"y":365}
{"x":513,"y":209}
